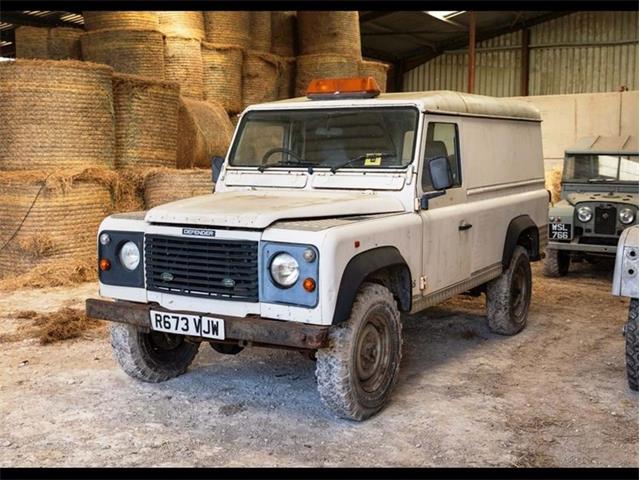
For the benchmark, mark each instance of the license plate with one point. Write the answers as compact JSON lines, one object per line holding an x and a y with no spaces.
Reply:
{"x":183,"y":324}
{"x":559,"y":231}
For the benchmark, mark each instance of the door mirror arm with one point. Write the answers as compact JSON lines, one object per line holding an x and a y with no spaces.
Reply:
{"x":216,"y":168}
{"x":424,"y":199}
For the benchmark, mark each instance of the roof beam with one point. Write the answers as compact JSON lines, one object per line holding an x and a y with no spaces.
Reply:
{"x":19,"y":18}
{"x":370,"y":16}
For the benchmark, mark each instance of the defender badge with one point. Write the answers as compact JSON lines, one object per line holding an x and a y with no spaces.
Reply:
{"x":166,"y":276}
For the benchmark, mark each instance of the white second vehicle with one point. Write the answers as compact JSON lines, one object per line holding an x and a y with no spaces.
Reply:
{"x":332,"y":214}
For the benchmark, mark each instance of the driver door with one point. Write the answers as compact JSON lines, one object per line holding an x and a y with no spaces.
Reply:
{"x":446,"y":224}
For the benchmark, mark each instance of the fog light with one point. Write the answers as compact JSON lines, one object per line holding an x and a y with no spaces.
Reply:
{"x":105,"y":264}
{"x":309,"y":284}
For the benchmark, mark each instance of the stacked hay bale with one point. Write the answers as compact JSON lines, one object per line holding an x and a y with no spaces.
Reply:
{"x":182,"y":24}
{"x":284,"y":45}
{"x":57,"y":151}
{"x":48,"y":43}
{"x":329,"y":44}
{"x":259,"y":78}
{"x":165,"y":185}
{"x":377,"y":70}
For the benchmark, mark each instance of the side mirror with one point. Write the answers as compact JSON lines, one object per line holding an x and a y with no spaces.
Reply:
{"x":216,"y":168}
{"x":440,"y":172}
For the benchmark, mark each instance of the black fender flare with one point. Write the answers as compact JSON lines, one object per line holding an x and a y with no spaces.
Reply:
{"x":357,"y":270}
{"x":514,"y":231}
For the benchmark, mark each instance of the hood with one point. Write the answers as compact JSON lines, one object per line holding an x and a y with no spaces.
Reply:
{"x":251,"y":209}
{"x":611,"y":197}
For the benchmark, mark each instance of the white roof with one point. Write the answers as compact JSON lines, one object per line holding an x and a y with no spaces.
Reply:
{"x":437,"y":101}
{"x":600,"y":144}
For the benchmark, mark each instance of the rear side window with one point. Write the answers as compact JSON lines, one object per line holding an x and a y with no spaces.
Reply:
{"x":442,"y":141}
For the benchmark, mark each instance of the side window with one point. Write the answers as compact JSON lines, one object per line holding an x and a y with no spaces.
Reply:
{"x":442,"y":141}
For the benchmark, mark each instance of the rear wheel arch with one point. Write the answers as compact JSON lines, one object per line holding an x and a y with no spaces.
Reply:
{"x":522,"y":231}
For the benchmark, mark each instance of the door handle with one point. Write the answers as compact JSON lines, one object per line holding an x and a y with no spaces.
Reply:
{"x":464,"y":226}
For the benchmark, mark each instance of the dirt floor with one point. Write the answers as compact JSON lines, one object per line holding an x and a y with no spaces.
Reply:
{"x":554,"y":395}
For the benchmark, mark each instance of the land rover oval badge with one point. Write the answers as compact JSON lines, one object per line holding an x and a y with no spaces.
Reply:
{"x":166,"y":276}
{"x":228,"y":282}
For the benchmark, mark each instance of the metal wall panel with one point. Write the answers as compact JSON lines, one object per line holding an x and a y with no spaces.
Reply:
{"x":581,"y":53}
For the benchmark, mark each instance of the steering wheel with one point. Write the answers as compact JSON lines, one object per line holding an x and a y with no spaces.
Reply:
{"x":291,"y":153}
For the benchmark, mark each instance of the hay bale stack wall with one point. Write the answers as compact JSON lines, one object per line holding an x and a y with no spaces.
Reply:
{"x":126,"y":20}
{"x":329,"y":32}
{"x":204,"y":130}
{"x":260,"y":31}
{"x":182,"y":24}
{"x":228,"y":28}
{"x":48,"y":43}
{"x":284,"y":34}
{"x":136,"y":52}
{"x":32,"y":42}
{"x":183,"y":65}
{"x":286,"y":77}
{"x":259,"y":78}
{"x":46,"y":220}
{"x":222,"y":65}
{"x":377,"y":70}
{"x":166,"y":185}
{"x":309,"y":67}
{"x":146,"y":114}
{"x":55,"y":115}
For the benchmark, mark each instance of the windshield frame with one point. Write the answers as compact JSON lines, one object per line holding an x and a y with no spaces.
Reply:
{"x":323,"y":168}
{"x":595,"y":180}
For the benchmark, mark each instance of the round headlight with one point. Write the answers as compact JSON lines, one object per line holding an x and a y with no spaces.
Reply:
{"x":626,"y":216}
{"x":130,"y":256}
{"x":585,"y":214}
{"x":284,"y":269}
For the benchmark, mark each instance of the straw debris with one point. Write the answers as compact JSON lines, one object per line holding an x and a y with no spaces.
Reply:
{"x":63,"y":324}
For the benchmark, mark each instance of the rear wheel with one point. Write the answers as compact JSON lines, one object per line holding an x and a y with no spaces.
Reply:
{"x":556,"y":263}
{"x":631,"y":342}
{"x":509,"y":296}
{"x":151,"y":357}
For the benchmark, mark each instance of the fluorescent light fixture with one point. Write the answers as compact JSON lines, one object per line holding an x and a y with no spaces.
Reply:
{"x":444,"y":15}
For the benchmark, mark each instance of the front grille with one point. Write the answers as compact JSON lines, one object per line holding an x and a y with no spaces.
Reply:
{"x":612,"y":242}
{"x":605,"y":220}
{"x":222,"y":269}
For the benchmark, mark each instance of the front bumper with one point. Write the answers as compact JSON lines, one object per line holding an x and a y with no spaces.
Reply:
{"x":251,"y":329}
{"x":580,"y":247}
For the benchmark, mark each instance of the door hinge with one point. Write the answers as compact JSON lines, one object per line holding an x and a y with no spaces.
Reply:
{"x":423,"y":283}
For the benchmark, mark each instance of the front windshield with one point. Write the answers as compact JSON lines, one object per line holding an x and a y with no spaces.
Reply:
{"x":600,"y":168}
{"x":375,"y":138}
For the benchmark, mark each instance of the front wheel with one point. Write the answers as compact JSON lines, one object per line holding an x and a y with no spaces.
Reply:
{"x":556,"y":263}
{"x":151,"y":357}
{"x":359,"y":368}
{"x":509,"y":296}
{"x":631,"y":343}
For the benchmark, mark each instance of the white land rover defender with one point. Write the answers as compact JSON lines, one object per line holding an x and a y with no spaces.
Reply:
{"x":332,"y":214}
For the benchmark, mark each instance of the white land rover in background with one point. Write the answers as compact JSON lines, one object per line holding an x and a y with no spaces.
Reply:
{"x":333,"y":214}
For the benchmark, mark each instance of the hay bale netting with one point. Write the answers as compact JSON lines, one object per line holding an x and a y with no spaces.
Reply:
{"x":329,"y":32}
{"x":286,"y":77}
{"x":377,"y":70}
{"x":309,"y":67}
{"x":204,"y":130}
{"x":183,"y":64}
{"x":48,"y":219}
{"x":284,"y":34}
{"x":136,"y":52}
{"x":146,"y":114}
{"x":182,"y":24}
{"x":259,"y":78}
{"x":55,"y":114}
{"x":222,"y":66}
{"x":260,"y":31}
{"x":121,"y":20}
{"x":32,"y":42}
{"x":167,"y":185}
{"x":228,"y":28}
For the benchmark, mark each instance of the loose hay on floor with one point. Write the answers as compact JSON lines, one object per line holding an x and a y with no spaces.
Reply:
{"x":56,"y":274}
{"x":63,"y":324}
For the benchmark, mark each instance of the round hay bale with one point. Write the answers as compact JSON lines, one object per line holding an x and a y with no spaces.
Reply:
{"x":286,"y":77}
{"x":48,"y":220}
{"x":146,"y":121}
{"x":234,"y":118}
{"x":222,"y":65}
{"x":183,"y":64}
{"x":260,"y":31}
{"x":166,"y":185}
{"x":309,"y":67}
{"x":284,"y":34}
{"x":55,"y":115}
{"x":121,"y":20}
{"x":136,"y":52}
{"x":182,"y":24}
{"x":227,"y":28}
{"x":377,"y":70}
{"x":204,"y":130}
{"x":32,"y":42}
{"x":329,"y":32}
{"x":259,"y":78}
{"x":64,"y":43}
{"x":553,"y":183}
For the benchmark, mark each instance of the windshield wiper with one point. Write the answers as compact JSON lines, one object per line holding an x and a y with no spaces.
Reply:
{"x":288,"y":163}
{"x":359,"y":158}
{"x":601,"y":179}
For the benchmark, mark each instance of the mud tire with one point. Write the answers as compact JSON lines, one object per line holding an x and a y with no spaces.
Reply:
{"x":358,"y":370}
{"x":509,"y":296}
{"x":556,"y":263}
{"x":151,"y":357}
{"x":631,"y":344}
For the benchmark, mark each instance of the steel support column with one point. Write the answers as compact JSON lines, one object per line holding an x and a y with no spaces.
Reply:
{"x":471,"y":79}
